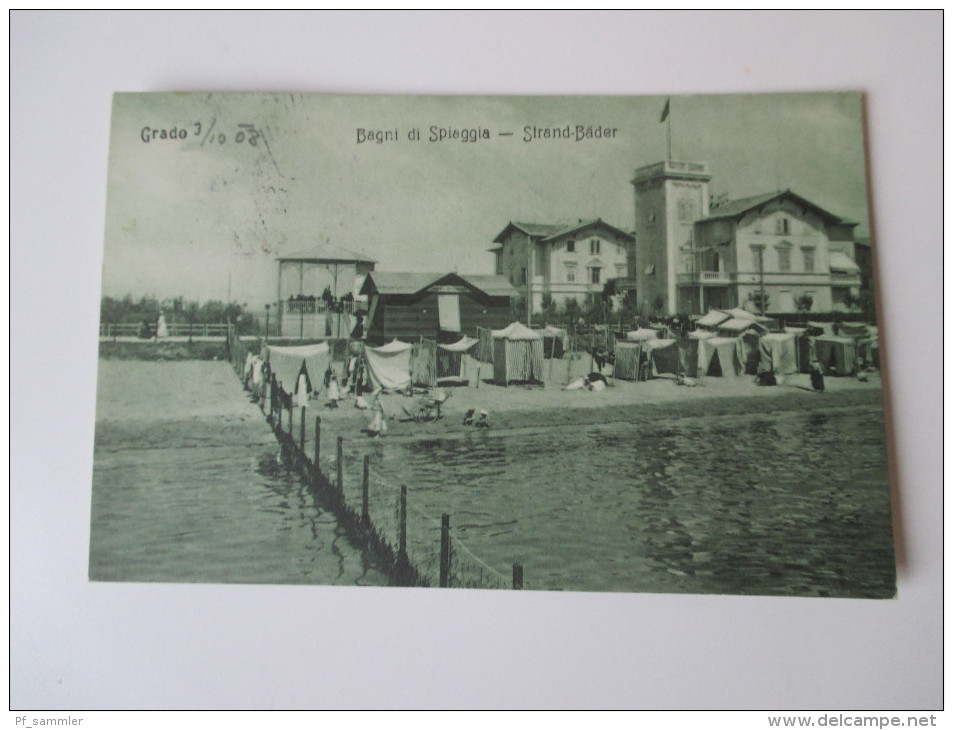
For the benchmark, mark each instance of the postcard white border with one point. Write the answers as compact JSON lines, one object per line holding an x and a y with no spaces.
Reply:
{"x":76,"y":645}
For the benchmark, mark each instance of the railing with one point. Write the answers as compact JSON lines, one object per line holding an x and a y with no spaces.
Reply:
{"x":706,"y":277}
{"x":172,"y":330}
{"x":313,"y":306}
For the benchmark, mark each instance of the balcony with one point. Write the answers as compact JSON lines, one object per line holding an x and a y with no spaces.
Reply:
{"x":712,"y":278}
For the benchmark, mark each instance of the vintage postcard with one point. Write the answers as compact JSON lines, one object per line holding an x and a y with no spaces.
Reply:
{"x":541,"y":343}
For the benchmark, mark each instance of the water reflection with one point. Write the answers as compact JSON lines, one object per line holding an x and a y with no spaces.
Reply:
{"x":777,"y":503}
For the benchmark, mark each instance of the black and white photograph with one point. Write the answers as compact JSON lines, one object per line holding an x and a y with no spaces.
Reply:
{"x":548,"y":343}
{"x":476,"y":360}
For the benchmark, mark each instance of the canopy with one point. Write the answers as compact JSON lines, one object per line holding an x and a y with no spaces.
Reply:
{"x":641,"y":334}
{"x":853,"y":329}
{"x":778,"y":353}
{"x":389,"y":365}
{"x":286,"y":364}
{"x":701,"y":334}
{"x":842,"y":262}
{"x":719,"y":356}
{"x":461,"y":345}
{"x":738,"y":324}
{"x":516,"y":331}
{"x":713,"y":318}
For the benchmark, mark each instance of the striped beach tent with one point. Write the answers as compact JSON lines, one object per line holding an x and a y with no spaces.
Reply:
{"x":517,"y":355}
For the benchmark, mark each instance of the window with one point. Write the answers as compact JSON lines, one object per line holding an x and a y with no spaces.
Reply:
{"x":594,"y":273}
{"x":784,"y":225}
{"x":621,"y":271}
{"x":523,"y":275}
{"x":570,"y":247}
{"x":784,"y":260}
{"x":686,"y":210}
{"x":594,"y":246}
{"x":808,"y":260}
{"x":570,"y":273}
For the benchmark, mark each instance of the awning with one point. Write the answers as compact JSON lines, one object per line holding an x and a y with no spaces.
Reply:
{"x":842,"y":262}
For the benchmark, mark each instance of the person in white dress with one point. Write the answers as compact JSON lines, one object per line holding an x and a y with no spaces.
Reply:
{"x":161,"y":329}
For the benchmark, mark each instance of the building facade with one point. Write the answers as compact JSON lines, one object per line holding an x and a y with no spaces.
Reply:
{"x":566,"y":261}
{"x":770,"y":253}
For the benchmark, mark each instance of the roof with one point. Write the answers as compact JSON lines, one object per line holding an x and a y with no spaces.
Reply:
{"x":323,"y":253}
{"x":552,"y":231}
{"x":737,"y":208}
{"x":400,"y":282}
{"x":516,"y":331}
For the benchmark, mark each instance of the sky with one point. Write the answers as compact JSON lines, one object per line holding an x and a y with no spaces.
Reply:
{"x":204,"y":211}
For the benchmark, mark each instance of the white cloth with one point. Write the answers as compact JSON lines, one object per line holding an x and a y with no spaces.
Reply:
{"x":302,"y":394}
{"x":161,"y":329}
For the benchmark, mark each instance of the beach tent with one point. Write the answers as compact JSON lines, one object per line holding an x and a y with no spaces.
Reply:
{"x":826,"y":327}
{"x":517,"y":354}
{"x":749,"y":351}
{"x":423,"y":362}
{"x":837,"y":355}
{"x":641,"y":335}
{"x":450,"y":357}
{"x":688,"y":348}
{"x":484,"y":352}
{"x":287,"y":363}
{"x":628,"y":358}
{"x":714,"y":318}
{"x":389,"y":366}
{"x":857,"y":330}
{"x":664,"y":356}
{"x":778,"y":353}
{"x":718,"y":356}
{"x":701,"y":334}
{"x":555,"y":342}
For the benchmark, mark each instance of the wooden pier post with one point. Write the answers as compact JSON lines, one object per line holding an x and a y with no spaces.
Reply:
{"x":517,"y":576}
{"x":340,"y":465}
{"x":317,"y":444}
{"x":445,"y":551}
{"x":402,"y":527}
{"x":304,"y":411}
{"x":291,"y":421}
{"x":365,"y":491}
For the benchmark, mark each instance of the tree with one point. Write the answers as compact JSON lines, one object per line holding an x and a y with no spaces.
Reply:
{"x":572,"y":309}
{"x":548,"y":307}
{"x":803,"y":303}
{"x":759,"y":298}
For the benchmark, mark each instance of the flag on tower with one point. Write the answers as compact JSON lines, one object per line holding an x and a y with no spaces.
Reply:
{"x":665,"y":110}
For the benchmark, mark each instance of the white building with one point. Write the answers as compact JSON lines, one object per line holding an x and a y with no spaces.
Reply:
{"x":693,"y":256}
{"x":566,"y":261}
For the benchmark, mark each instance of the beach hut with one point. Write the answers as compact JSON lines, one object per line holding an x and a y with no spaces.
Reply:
{"x":287,"y":363}
{"x":778,"y":353}
{"x":389,"y":366}
{"x":517,"y":355}
{"x":718,"y":357}
{"x":437,"y":306}
{"x":837,"y":355}
{"x":688,"y":348}
{"x":628,"y":359}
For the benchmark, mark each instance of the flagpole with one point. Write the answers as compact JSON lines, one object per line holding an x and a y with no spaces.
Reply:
{"x":668,"y":128}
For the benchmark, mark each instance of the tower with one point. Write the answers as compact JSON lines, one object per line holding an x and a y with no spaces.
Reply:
{"x":669,"y":197}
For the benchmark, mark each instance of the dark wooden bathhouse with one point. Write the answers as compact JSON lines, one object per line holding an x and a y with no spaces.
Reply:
{"x":436,"y":306}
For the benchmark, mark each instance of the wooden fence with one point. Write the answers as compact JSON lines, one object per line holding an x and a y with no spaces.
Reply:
{"x":414,"y":548}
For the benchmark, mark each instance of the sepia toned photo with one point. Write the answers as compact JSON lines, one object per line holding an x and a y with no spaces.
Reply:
{"x":621,"y":344}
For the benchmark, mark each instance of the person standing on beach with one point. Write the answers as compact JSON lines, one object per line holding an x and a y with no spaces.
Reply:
{"x":161,"y":329}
